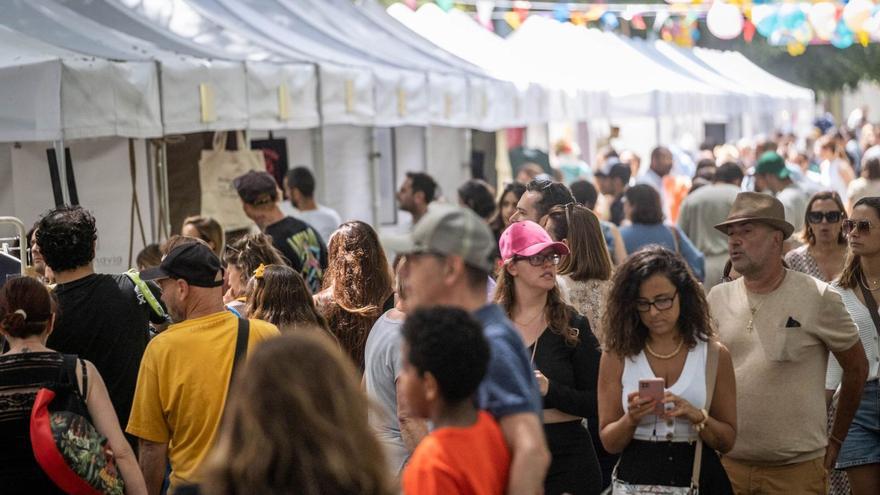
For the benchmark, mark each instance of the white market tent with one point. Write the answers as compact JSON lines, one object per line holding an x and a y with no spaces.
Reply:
{"x":348,"y":86}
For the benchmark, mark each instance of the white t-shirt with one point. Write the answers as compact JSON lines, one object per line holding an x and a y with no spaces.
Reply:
{"x":323,"y":219}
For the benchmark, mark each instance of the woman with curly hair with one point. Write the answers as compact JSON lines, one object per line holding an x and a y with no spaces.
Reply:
{"x":357,"y":286}
{"x":278,"y":294}
{"x":242,"y":258}
{"x":563,"y":350}
{"x":296,"y":423}
{"x":657,"y":326}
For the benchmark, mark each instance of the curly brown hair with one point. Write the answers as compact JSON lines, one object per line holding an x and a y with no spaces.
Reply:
{"x":556,"y":312}
{"x":251,"y":251}
{"x":625,"y":334}
{"x":357,"y":284}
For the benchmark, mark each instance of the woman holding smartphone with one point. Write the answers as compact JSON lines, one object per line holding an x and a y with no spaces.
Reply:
{"x":563,"y":350}
{"x":657,"y":325}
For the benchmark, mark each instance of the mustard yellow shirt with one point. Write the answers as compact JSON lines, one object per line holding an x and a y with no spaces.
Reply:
{"x":182,"y":385}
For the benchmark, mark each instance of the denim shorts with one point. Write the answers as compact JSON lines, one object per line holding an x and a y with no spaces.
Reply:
{"x":862,"y":444}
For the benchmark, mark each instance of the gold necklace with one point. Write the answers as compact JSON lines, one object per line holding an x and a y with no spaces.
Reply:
{"x":864,"y":283}
{"x":750,"y":327}
{"x":664,"y":356}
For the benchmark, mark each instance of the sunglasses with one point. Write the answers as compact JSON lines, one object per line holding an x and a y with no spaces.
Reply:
{"x":856,"y":225}
{"x":829,"y":216}
{"x":540,"y":259}
{"x":661,"y":303}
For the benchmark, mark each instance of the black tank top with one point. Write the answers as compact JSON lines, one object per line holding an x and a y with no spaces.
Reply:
{"x":20,"y":377}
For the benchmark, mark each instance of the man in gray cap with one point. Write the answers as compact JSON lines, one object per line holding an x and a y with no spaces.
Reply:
{"x":449,"y":256}
{"x":779,"y":326}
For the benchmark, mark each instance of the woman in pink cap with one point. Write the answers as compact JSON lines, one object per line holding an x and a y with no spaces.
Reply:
{"x":563,"y":350}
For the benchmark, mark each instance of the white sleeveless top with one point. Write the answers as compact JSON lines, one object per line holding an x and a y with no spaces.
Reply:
{"x":691,"y":386}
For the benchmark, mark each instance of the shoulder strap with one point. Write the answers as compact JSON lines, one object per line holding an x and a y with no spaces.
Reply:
{"x":871,"y":303}
{"x":241,"y":341}
{"x":147,"y":294}
{"x":675,"y":237}
{"x":67,"y":373}
{"x":711,"y":375}
{"x":85,"y":374}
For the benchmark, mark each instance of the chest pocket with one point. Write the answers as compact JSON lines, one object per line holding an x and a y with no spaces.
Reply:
{"x":782,"y":343}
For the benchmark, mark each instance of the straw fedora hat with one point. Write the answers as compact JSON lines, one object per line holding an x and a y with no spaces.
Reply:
{"x":757,"y":207}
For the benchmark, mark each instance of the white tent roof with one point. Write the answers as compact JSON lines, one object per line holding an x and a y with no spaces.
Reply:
{"x":736,"y":67}
{"x":51,"y":93}
{"x":459,"y":34}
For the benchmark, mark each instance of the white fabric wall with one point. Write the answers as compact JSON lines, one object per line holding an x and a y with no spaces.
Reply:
{"x":347,"y":172}
{"x":448,"y":159}
{"x":103,"y":183}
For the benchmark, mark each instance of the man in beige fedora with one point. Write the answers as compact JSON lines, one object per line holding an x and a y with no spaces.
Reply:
{"x":779,"y":326}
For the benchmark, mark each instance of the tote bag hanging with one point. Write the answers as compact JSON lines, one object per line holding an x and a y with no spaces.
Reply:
{"x":217,"y":169}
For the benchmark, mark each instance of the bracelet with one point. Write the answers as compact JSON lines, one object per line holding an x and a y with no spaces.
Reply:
{"x":834,"y":439}
{"x":702,"y":424}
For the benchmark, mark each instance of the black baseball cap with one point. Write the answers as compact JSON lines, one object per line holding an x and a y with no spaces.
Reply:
{"x":256,"y":188}
{"x":193,"y":262}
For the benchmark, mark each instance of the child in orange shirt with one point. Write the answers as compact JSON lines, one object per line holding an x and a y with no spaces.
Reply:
{"x":444,"y":358}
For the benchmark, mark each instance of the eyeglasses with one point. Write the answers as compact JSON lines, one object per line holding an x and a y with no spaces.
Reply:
{"x":829,"y":216}
{"x":856,"y":225}
{"x":540,"y":259}
{"x":661,"y":303}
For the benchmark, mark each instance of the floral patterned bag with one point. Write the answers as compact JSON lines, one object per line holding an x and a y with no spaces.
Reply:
{"x":72,"y":453}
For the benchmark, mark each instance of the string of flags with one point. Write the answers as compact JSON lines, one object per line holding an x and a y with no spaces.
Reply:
{"x":791,"y":24}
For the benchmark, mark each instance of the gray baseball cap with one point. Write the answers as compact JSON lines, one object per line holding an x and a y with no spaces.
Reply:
{"x":449,"y":230}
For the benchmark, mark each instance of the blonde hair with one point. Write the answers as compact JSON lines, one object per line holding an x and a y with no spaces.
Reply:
{"x":296,"y":423}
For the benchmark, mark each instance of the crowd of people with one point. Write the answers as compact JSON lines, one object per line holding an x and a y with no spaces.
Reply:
{"x":616,"y":327}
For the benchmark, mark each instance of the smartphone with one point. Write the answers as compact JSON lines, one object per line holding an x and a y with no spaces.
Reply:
{"x":653,"y":388}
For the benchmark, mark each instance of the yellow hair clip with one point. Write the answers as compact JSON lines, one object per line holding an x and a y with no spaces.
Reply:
{"x":258,"y":273}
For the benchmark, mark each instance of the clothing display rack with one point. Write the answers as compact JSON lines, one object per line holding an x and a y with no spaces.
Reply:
{"x":8,"y":247}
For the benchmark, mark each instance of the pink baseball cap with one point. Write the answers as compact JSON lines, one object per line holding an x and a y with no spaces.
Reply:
{"x":527,"y":238}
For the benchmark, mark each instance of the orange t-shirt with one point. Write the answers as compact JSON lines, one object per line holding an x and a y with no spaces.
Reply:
{"x":467,"y":461}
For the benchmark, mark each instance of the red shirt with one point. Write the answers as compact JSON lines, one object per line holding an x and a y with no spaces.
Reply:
{"x":473,"y":460}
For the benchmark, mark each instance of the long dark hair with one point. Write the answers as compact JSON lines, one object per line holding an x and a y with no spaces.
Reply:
{"x":556,"y":312}
{"x":852,"y":269}
{"x":625,"y":334}
{"x":360,"y":280}
{"x":280,"y":296}
{"x":497,"y":223}
{"x":807,"y":236}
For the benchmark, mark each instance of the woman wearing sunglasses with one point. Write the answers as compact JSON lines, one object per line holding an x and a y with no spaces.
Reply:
{"x":824,"y":251}
{"x":657,"y":326}
{"x":859,"y":286}
{"x":562,"y":348}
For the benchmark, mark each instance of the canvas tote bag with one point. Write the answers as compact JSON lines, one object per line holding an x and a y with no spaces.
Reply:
{"x":217,"y":169}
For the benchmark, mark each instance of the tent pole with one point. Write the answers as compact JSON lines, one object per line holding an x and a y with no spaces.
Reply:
{"x":318,"y":160}
{"x":151,"y":189}
{"x":163,"y":169}
{"x":61,"y":158}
